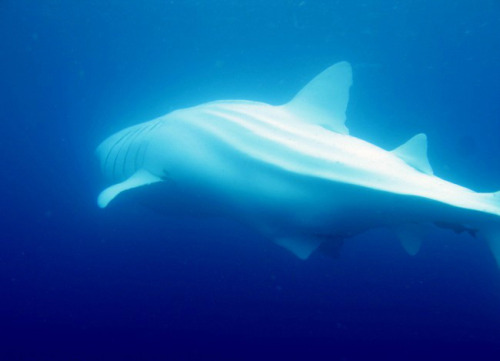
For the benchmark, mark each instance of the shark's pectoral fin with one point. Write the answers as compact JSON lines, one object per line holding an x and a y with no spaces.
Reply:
{"x":139,"y":178}
{"x":414,"y":153}
{"x":323,"y":101}
{"x":301,"y":247}
{"x":410,"y":237}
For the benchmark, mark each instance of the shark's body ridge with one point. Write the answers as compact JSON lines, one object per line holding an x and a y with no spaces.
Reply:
{"x":293,"y":172}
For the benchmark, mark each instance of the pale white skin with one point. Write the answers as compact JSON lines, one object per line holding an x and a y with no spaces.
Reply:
{"x":291,"y":171}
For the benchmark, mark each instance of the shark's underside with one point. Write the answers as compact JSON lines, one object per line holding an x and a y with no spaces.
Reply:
{"x":292,"y":172}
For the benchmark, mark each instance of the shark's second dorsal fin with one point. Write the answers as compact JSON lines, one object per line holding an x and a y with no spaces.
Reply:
{"x":414,"y":152}
{"x":323,"y":101}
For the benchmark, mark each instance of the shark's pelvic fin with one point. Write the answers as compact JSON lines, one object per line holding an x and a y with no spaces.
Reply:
{"x":323,"y":101}
{"x":139,"y":178}
{"x":411,"y":238}
{"x":300,"y":247}
{"x":414,"y":152}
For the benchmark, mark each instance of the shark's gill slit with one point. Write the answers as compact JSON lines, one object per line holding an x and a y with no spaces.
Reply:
{"x":123,"y":143}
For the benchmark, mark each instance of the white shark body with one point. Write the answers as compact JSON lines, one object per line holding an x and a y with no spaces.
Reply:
{"x":293,"y":172}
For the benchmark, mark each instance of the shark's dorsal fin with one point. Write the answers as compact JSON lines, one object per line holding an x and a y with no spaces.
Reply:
{"x":139,"y":178}
{"x":414,"y":152}
{"x":323,"y":101}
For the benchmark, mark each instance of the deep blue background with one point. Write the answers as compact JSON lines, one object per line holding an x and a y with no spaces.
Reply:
{"x":79,"y":283}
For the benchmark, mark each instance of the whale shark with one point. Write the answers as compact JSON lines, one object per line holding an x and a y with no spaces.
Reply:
{"x":292,"y":172}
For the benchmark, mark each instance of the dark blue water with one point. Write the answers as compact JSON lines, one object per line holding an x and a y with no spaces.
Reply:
{"x":80,"y":283}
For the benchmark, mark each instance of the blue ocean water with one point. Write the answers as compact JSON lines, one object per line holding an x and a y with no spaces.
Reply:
{"x":80,"y":283}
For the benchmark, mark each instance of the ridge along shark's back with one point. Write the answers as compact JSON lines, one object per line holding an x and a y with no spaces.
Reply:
{"x":293,"y":171}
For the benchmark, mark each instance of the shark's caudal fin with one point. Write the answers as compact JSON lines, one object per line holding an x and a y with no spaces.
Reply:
{"x":323,"y":101}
